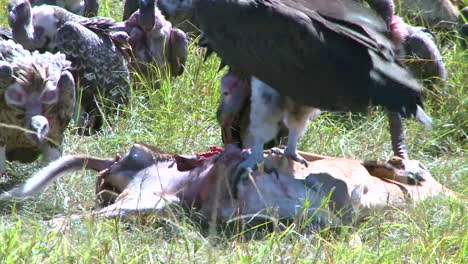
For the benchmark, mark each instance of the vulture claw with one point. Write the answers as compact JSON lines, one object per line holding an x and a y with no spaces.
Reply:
{"x":413,"y":170}
{"x":243,"y":171}
{"x":290,"y":155}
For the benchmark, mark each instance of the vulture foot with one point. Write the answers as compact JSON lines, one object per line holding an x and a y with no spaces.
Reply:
{"x":413,"y":170}
{"x":292,"y":155}
{"x":246,"y":168}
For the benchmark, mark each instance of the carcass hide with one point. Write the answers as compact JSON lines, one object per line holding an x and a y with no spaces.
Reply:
{"x":145,"y":180}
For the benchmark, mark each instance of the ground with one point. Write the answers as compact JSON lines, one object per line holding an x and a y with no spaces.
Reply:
{"x":180,"y":118}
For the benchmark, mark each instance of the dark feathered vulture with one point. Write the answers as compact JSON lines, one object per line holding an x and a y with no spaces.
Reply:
{"x":98,"y":55}
{"x":182,"y":20}
{"x":414,"y":45}
{"x":37,"y":98}
{"x":328,"y":54}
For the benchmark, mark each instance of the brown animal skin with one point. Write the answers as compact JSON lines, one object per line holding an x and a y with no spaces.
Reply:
{"x":145,"y":180}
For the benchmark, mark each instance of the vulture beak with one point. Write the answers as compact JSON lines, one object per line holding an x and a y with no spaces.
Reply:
{"x":226,"y":121}
{"x":147,"y":16}
{"x":19,"y":12}
{"x":39,"y":125}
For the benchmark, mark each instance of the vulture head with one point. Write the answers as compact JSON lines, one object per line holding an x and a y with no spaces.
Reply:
{"x":23,"y":30}
{"x":147,"y":16}
{"x":37,"y":94}
{"x":235,"y":96}
{"x":35,"y":91}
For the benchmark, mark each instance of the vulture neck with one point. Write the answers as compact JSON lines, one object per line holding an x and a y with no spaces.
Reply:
{"x":24,"y":34}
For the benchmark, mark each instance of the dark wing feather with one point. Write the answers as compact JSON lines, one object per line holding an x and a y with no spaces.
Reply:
{"x":327,"y":62}
{"x":96,"y":61}
{"x":5,"y":33}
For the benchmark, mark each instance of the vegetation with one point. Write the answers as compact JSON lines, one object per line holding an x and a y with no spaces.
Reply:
{"x":180,"y":118}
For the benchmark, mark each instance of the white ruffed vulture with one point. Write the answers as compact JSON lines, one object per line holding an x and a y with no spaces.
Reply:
{"x":154,"y":41}
{"x":328,"y":54}
{"x":183,"y":20}
{"x":37,"y":98}
{"x":98,"y":56}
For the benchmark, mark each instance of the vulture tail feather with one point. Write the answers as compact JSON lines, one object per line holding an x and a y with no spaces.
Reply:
{"x":423,"y":118}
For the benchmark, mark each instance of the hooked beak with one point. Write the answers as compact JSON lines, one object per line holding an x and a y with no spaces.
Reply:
{"x":226,"y":121}
{"x":39,"y":126}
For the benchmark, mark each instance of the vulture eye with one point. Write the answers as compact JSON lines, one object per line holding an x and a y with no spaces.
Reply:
{"x":15,"y":96}
{"x":49,"y":97}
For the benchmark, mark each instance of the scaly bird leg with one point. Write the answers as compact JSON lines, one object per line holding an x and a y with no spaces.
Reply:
{"x":297,"y":119}
{"x":291,"y":149}
{"x":397,"y":135}
{"x":265,"y":116}
{"x":415,"y":173}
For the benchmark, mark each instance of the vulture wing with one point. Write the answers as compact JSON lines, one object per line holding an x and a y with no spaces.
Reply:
{"x":329,"y":54}
{"x":5,"y":33}
{"x":97,"y":60}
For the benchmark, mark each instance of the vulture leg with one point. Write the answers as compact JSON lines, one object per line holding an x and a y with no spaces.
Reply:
{"x":297,"y":119}
{"x":397,"y":135}
{"x":265,"y":117}
{"x":2,"y":160}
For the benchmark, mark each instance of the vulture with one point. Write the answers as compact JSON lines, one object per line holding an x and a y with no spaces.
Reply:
{"x":233,"y":113}
{"x":87,"y":8}
{"x":269,"y":115}
{"x":183,"y":20}
{"x":332,"y":55}
{"x":434,"y":13}
{"x":37,"y":98}
{"x":414,"y":45}
{"x":99,"y":56}
{"x":154,"y":41}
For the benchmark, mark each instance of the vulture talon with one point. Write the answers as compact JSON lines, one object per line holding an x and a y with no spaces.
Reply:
{"x":290,"y":155}
{"x":244,"y":168}
{"x":413,"y":170}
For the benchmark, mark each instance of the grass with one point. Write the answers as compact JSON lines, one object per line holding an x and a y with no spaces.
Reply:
{"x":180,"y":117}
